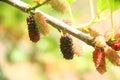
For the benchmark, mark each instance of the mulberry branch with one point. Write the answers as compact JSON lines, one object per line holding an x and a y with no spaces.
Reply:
{"x":52,"y":21}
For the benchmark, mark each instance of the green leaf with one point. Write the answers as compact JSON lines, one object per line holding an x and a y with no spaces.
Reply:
{"x":70,"y":1}
{"x":108,"y":4}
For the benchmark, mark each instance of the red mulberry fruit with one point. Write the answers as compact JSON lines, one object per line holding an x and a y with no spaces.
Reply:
{"x":99,"y":60}
{"x":115,"y":45}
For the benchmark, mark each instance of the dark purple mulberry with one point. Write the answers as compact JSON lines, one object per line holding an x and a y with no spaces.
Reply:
{"x":66,"y":46}
{"x":34,"y":34}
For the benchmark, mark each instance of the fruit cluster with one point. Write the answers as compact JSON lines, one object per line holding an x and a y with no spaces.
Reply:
{"x":37,"y":24}
{"x":108,"y":52}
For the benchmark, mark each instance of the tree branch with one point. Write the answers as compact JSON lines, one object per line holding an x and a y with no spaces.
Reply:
{"x":18,"y":4}
{"x":53,"y":21}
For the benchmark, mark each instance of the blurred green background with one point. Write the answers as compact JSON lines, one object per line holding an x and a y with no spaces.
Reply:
{"x":20,"y":59}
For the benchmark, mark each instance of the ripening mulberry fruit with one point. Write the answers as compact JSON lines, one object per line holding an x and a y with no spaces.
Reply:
{"x":115,"y":45}
{"x":41,"y":23}
{"x":77,"y":46}
{"x":99,"y":60}
{"x":32,"y":29}
{"x":58,"y":5}
{"x":112,"y":55}
{"x":66,"y":46}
